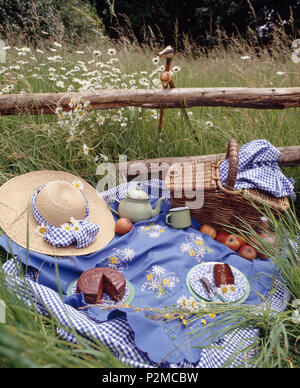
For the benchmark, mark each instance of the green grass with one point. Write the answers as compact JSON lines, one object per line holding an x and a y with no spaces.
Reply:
{"x":29,"y":143}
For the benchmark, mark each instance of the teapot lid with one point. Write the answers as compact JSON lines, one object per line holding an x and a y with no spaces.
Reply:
{"x":137,"y":193}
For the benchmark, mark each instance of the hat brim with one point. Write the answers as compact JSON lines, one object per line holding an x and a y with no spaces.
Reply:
{"x":18,"y":223}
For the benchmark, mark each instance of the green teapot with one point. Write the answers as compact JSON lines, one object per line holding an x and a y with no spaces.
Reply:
{"x":136,"y":206}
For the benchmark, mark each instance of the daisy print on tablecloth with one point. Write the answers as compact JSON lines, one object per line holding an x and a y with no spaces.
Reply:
{"x":194,"y":246}
{"x":152,"y":230}
{"x":159,"y":281}
{"x":119,"y":259}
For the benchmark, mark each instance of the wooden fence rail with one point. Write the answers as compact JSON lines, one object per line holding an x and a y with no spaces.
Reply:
{"x":147,"y":168}
{"x":257,"y":98}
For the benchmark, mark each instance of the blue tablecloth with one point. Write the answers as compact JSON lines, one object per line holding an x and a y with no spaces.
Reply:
{"x":156,"y":259}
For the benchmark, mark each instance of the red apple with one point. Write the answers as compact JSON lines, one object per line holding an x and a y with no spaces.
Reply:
{"x":232,"y":242}
{"x":242,"y":240}
{"x":123,"y":225}
{"x":222,"y":236}
{"x":248,"y":252}
{"x":207,"y":229}
{"x":258,"y":246}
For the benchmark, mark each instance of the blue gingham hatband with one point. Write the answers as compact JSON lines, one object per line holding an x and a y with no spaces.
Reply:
{"x":81,"y":233}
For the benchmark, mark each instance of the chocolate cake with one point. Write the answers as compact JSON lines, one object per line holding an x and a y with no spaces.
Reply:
{"x":96,"y":281}
{"x":223,"y":274}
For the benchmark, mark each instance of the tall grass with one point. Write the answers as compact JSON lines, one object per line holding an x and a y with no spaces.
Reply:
{"x":80,"y":141}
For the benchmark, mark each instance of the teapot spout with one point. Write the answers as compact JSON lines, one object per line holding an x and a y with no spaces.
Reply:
{"x":156,"y":211}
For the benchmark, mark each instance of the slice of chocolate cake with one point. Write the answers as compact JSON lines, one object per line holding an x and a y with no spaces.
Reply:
{"x":96,"y":281}
{"x":223,"y":275}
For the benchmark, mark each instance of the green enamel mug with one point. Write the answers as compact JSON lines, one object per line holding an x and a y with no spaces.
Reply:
{"x":180,"y":218}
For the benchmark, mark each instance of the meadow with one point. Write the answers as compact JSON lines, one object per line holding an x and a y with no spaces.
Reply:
{"x":80,"y":140}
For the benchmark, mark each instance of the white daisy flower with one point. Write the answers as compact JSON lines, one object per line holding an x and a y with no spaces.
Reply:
{"x":128,"y":254}
{"x":182,"y":302}
{"x":192,"y":304}
{"x":245,"y":57}
{"x":67,"y":227}
{"x":41,"y":230}
{"x":155,"y":60}
{"x":209,"y":123}
{"x":56,"y":44}
{"x":280,"y":73}
{"x":79,"y":185}
{"x":100,"y":120}
{"x":176,"y":69}
{"x":111,"y":51}
{"x":156,"y":81}
{"x":186,"y":247}
{"x":60,"y":84}
{"x":76,"y":227}
{"x":85,"y":149}
{"x":158,"y":270}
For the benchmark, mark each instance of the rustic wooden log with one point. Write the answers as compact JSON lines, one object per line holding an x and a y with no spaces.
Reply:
{"x":157,"y":168}
{"x":257,"y":98}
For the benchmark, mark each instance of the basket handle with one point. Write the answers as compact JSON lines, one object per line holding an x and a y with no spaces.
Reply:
{"x":233,"y":157}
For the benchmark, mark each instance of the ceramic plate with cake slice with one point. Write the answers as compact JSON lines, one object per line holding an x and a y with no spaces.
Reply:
{"x":231,"y":283}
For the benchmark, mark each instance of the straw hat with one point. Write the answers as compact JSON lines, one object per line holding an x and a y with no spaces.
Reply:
{"x":63,"y":197}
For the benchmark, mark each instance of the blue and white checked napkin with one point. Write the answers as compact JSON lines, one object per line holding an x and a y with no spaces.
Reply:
{"x":258,"y":169}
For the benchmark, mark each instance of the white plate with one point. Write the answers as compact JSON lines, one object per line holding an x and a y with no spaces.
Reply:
{"x":241,"y":286}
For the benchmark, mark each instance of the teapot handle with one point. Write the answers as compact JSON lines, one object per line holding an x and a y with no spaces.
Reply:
{"x":113,"y":210}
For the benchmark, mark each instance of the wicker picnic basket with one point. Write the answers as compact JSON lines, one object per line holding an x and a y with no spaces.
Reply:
{"x":222,"y":205}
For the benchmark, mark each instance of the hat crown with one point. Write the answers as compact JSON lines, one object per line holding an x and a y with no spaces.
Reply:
{"x":58,"y":201}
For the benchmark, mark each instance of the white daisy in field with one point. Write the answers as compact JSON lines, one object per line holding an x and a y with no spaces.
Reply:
{"x":176,"y":69}
{"x":60,"y":84}
{"x":80,"y":52}
{"x":111,"y":51}
{"x":209,"y":124}
{"x":97,"y":52}
{"x":56,"y":44}
{"x":78,"y":108}
{"x":280,"y":73}
{"x":78,"y":184}
{"x":156,"y":81}
{"x":132,"y":82}
{"x":73,"y":102}
{"x":100,"y":120}
{"x":190,"y":113}
{"x":155,"y":60}
{"x":85,"y":149}
{"x":245,"y":57}
{"x":52,"y":49}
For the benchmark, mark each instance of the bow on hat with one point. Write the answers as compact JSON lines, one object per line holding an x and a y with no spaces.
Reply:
{"x":79,"y":232}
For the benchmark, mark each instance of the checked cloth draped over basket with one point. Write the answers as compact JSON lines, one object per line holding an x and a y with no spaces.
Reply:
{"x":258,"y":169}
{"x":151,"y":248}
